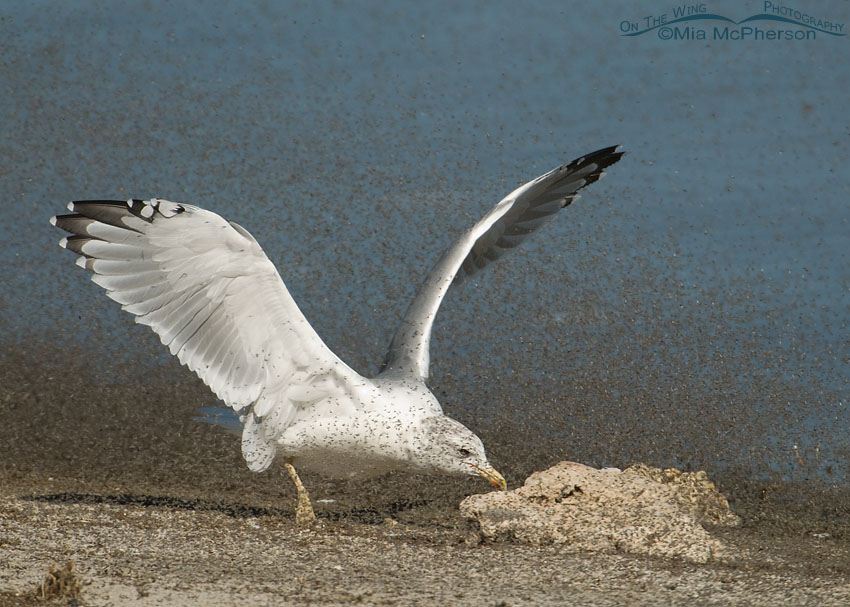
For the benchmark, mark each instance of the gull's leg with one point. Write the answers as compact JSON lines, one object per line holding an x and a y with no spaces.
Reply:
{"x":304,"y":510}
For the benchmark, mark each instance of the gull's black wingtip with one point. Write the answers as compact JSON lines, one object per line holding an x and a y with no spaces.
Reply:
{"x":604,"y":157}
{"x":592,"y":166}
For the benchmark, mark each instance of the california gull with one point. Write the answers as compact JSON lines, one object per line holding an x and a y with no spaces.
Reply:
{"x":204,"y":285}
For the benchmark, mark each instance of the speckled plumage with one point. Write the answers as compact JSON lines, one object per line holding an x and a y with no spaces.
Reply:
{"x":205,"y":286}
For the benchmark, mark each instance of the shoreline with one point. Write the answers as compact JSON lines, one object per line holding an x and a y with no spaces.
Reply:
{"x":155,"y":549}
{"x":154,"y":509}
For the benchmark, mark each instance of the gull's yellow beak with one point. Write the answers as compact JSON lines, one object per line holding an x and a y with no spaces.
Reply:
{"x":490,"y":473}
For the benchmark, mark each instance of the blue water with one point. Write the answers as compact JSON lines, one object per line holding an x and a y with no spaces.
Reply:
{"x":701,"y":291}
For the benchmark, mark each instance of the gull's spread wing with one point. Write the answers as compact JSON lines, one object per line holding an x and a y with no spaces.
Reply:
{"x":204,"y":285}
{"x":509,"y":223}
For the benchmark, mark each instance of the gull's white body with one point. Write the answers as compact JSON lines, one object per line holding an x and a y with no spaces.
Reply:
{"x":373,"y":431}
{"x":205,"y":286}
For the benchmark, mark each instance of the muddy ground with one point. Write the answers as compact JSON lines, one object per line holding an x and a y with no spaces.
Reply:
{"x":159,"y":510}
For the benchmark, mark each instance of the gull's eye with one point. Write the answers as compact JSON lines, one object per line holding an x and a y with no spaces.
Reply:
{"x":464,"y":452}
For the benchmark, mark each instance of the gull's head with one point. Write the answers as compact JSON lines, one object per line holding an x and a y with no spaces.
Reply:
{"x":446,"y":446}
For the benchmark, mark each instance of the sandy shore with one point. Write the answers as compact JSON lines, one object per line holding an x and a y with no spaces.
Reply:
{"x":160,"y":510}
{"x":142,"y":549}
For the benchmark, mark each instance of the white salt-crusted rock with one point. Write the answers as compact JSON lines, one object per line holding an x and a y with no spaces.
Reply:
{"x":640,"y":510}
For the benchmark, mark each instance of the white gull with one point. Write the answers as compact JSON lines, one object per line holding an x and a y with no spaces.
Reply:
{"x":205,"y":286}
